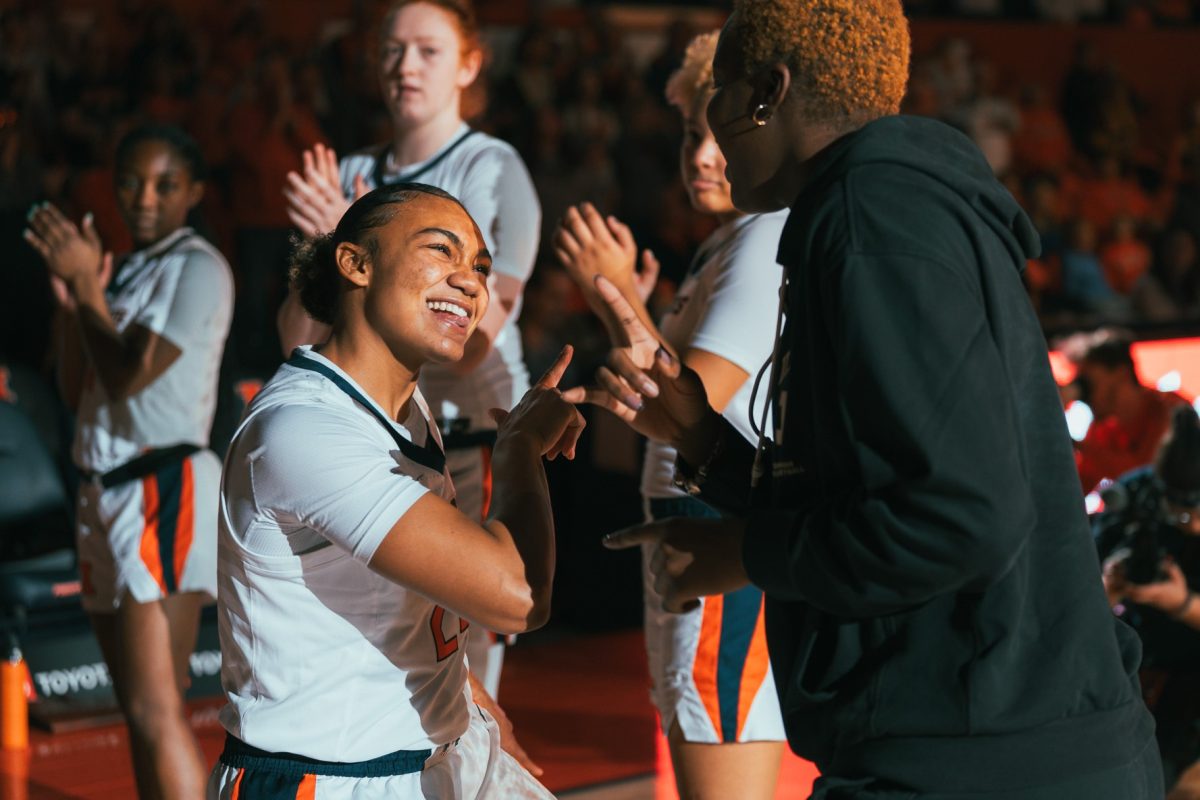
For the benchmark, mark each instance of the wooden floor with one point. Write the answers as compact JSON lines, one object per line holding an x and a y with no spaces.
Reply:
{"x":579,"y":704}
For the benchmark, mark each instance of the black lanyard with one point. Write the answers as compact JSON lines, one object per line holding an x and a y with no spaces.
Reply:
{"x":379,"y":173}
{"x":430,"y":456}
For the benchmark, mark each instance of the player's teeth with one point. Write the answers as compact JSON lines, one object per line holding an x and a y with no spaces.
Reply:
{"x":450,"y":307}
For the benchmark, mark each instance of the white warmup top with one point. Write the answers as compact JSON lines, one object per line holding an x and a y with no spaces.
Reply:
{"x":180,"y":288}
{"x":320,"y":655}
{"x":727,"y":305}
{"x":490,"y":180}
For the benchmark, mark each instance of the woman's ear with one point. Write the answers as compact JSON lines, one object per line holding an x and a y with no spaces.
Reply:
{"x":353,"y":263}
{"x":195,"y":194}
{"x":469,"y":67}
{"x":771,"y":86}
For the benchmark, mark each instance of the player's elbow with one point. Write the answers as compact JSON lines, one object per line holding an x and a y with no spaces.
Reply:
{"x":522,"y":608}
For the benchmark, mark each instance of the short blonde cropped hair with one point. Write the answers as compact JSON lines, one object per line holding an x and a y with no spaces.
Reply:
{"x":848,"y":58}
{"x":693,"y":80}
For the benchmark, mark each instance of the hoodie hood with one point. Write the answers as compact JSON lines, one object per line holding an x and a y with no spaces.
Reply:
{"x":942,"y":153}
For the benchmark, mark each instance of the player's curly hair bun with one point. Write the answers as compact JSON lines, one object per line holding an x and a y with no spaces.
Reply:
{"x":314,"y":275}
{"x":849,"y":58}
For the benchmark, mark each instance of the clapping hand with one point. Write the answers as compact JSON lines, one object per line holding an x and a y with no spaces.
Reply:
{"x":588,"y":245}
{"x":315,"y":202}
{"x":73,"y":255}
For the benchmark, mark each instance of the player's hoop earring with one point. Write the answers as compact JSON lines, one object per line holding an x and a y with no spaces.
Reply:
{"x":762,"y":113}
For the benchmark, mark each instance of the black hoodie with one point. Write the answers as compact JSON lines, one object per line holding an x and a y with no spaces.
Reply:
{"x":935,"y":614}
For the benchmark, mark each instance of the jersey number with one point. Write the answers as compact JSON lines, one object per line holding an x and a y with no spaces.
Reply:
{"x":445,"y":647}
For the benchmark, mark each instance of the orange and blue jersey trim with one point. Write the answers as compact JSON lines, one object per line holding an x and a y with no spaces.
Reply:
{"x":262,"y":775}
{"x":168,"y":520}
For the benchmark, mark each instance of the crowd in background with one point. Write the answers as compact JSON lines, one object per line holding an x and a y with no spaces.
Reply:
{"x":1119,"y":214}
{"x":1118,"y":210}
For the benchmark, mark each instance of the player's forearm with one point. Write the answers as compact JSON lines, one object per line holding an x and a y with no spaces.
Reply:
{"x":616,"y":332}
{"x":119,"y":365}
{"x":521,"y":505}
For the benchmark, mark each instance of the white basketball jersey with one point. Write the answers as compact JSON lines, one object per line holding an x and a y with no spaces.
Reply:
{"x":490,"y":180}
{"x":180,"y":288}
{"x":322,"y":656}
{"x":727,"y":305}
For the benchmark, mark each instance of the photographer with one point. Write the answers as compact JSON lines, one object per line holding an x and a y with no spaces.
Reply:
{"x":1149,"y":540}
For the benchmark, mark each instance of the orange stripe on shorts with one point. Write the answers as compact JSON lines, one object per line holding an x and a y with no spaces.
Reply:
{"x":708,"y":651}
{"x":185,"y":522}
{"x":307,"y":790}
{"x":149,"y":546}
{"x":237,"y":785}
{"x":754,"y":672}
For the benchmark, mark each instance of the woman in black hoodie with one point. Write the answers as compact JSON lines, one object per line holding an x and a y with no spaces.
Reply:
{"x":935,"y":615}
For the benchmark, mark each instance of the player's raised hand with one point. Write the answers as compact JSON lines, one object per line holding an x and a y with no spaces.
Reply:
{"x":688,"y":558}
{"x":314,"y":196}
{"x":642,"y":382}
{"x":544,"y":416}
{"x":72,"y":254}
{"x":586,"y":246}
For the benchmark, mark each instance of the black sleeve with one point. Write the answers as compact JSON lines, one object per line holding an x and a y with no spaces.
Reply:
{"x":945,"y":502}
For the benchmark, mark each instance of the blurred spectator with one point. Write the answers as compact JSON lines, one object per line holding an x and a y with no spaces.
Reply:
{"x":1084,"y":288}
{"x":1129,"y":419}
{"x":1044,"y":207}
{"x":987,"y":117}
{"x":1041,"y":143}
{"x":1109,"y":194}
{"x":1085,"y":87}
{"x":952,"y":74}
{"x":1170,"y":291}
{"x":1115,"y":134}
{"x":1125,"y":258}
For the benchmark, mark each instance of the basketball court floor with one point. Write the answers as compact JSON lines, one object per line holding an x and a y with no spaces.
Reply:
{"x":579,"y":704}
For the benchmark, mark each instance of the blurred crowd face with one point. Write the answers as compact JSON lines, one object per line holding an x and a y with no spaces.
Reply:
{"x":428,"y":289}
{"x":423,"y":68}
{"x":1101,"y":387}
{"x":702,"y":164}
{"x":155,"y":192}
